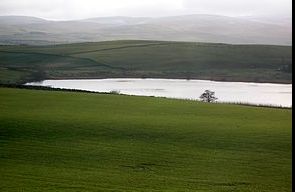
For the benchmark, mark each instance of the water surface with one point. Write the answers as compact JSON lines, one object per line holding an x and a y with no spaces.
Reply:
{"x":254,"y":93}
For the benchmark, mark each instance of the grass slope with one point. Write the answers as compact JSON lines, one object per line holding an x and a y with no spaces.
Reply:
{"x":256,"y":63}
{"x":64,"y":141}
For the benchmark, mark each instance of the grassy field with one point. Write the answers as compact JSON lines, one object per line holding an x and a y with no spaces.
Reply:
{"x":65,"y":141}
{"x":157,"y":59}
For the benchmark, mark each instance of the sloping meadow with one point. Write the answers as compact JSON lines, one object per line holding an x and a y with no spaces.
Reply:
{"x":67,"y":141}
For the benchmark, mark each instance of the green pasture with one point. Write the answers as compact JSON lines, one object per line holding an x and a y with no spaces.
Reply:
{"x":151,"y":59}
{"x":67,"y":141}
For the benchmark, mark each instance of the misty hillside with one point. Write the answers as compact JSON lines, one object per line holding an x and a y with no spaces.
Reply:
{"x":196,"y":28}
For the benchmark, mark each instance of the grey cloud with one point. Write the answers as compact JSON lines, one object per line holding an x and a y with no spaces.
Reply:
{"x":78,"y":9}
{"x":240,"y":7}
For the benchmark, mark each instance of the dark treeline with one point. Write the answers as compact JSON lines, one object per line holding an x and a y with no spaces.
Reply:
{"x":33,"y":87}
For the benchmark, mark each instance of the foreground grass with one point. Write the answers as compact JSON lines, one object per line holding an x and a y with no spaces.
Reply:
{"x":65,"y":141}
{"x":154,"y":59}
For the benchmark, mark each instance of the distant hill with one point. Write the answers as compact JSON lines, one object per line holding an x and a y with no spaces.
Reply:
{"x":196,"y":28}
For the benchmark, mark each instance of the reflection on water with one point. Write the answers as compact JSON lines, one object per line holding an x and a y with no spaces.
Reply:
{"x":255,"y":93}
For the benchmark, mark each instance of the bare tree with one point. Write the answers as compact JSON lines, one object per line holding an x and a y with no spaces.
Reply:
{"x":208,"y":96}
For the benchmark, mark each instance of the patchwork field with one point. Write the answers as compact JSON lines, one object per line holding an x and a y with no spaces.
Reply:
{"x":67,"y":141}
{"x":153,"y":59}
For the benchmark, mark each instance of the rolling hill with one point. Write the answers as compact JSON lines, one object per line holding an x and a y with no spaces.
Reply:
{"x":143,"y":59}
{"x":191,"y":28}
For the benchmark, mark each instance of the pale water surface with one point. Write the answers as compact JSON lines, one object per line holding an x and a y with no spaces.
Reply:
{"x":254,"y":93}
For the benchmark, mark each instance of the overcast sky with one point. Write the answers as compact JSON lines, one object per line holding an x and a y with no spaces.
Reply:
{"x":79,"y":9}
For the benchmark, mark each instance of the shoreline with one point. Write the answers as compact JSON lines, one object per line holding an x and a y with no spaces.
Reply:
{"x":44,"y":88}
{"x":165,"y":78}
